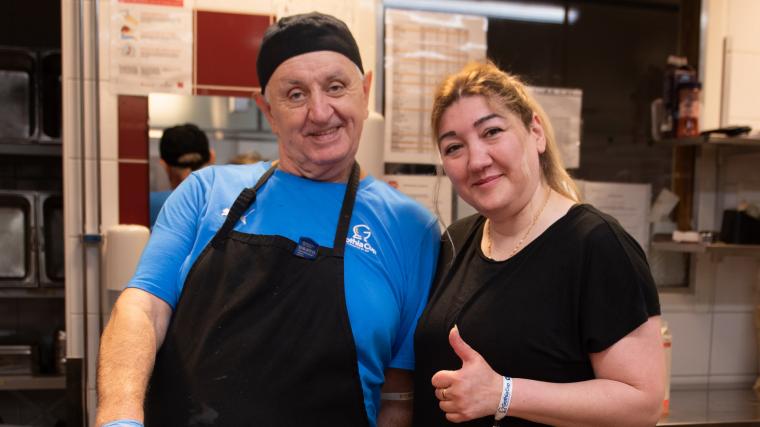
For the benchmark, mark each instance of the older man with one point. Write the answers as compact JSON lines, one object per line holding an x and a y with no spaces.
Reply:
{"x":278,"y":294}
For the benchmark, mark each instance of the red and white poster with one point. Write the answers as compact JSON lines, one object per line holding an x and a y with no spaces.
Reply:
{"x":176,"y":3}
{"x":151,"y":46}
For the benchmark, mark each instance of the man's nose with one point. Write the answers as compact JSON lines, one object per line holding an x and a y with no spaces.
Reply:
{"x":320,"y":108}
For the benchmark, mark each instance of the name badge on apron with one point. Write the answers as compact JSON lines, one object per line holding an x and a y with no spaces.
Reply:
{"x":307,"y":248}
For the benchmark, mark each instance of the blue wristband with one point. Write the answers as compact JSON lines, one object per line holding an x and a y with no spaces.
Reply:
{"x":123,"y":423}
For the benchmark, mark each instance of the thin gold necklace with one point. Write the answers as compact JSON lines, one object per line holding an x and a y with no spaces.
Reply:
{"x":487,"y":230}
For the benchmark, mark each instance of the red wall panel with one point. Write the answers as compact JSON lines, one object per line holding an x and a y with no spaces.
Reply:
{"x":133,"y":159}
{"x":226,"y":47}
{"x":133,"y":127}
{"x":133,"y":193}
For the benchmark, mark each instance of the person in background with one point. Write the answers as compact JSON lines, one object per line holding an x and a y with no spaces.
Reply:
{"x":183,"y":149}
{"x":543,"y":310}
{"x":277,"y":294}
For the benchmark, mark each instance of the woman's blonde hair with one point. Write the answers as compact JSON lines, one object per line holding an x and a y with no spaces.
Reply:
{"x":507,"y":91}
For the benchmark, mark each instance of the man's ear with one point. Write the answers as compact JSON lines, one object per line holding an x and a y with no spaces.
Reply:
{"x":367,"y":83}
{"x":366,"y":87}
{"x":211,"y":156}
{"x":265,"y":108}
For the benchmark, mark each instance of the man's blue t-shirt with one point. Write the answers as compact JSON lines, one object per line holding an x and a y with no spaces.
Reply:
{"x":389,"y":263}
{"x":157,"y":200}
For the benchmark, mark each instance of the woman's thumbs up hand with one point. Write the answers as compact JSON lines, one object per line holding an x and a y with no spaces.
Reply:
{"x":473,"y":391}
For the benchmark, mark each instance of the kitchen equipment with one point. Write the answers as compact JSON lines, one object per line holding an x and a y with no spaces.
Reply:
{"x":16,"y":359}
{"x":740,"y":228}
{"x":50,"y":239}
{"x":17,"y":221}
{"x":31,"y":238}
{"x":50,"y":97}
{"x":123,"y":247}
{"x":60,"y":352}
{"x":688,"y":109}
{"x":17,"y":90}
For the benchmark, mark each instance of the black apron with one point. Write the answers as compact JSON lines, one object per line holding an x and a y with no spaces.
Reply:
{"x":261,"y":335}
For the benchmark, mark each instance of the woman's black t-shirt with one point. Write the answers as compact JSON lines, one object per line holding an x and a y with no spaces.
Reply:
{"x":578,"y":288}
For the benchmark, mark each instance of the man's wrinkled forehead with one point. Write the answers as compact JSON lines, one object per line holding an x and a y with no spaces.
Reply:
{"x":326,"y":66}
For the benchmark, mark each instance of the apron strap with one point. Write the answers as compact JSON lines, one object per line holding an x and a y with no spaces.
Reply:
{"x":248,"y":196}
{"x":244,"y":200}
{"x":346,"y":210}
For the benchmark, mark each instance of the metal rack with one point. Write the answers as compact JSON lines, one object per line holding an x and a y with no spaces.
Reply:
{"x":32,"y":382}
{"x":716,"y":143}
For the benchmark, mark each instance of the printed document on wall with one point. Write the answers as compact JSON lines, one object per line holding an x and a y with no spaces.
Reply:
{"x":432,"y":192}
{"x":627,"y":203}
{"x":421,"y":48}
{"x":563,"y":106}
{"x":151,"y":47}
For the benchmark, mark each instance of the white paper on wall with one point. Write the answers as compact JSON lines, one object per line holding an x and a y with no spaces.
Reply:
{"x":421,"y":48}
{"x":428,"y":190}
{"x":629,"y":204}
{"x":151,"y":48}
{"x":563,"y":106}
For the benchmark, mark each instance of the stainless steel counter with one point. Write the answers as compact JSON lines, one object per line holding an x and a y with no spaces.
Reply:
{"x":735,"y":408}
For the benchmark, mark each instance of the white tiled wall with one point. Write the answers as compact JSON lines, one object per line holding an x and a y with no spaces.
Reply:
{"x":714,"y":336}
{"x":691,"y":343}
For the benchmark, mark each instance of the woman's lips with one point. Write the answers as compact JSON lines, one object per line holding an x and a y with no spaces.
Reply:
{"x":486,"y":180}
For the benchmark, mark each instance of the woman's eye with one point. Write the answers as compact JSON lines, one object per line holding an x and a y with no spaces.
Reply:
{"x":491,"y":132}
{"x":451,"y":149}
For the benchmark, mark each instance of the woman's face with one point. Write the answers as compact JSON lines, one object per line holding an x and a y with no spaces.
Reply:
{"x":490,"y":156}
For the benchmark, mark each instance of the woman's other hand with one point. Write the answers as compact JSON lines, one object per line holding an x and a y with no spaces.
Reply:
{"x":470,"y":392}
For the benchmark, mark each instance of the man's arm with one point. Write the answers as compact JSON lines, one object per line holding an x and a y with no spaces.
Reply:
{"x":127,"y":353}
{"x":394,"y":412}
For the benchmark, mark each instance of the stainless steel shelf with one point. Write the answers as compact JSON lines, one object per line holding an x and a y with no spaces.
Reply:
{"x":31,"y":149}
{"x":734,"y":407}
{"x":720,"y":249}
{"x":32,"y":292}
{"x":32,"y":382}
{"x":741,"y":141}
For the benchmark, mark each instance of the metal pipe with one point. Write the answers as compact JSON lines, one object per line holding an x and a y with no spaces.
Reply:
{"x":83,"y":195}
{"x":96,"y":141}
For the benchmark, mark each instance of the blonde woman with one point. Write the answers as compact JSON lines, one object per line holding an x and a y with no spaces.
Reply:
{"x":544,"y":310}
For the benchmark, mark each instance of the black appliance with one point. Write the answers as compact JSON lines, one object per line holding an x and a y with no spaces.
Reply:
{"x":31,"y":238}
{"x":18,"y":265}
{"x":30,"y":95}
{"x":18,"y":110}
{"x":50,"y":239}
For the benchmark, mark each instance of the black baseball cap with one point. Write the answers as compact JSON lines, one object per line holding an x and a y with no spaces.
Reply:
{"x":185,"y":146}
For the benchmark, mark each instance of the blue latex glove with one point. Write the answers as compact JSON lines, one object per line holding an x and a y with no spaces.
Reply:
{"x":123,"y":423}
